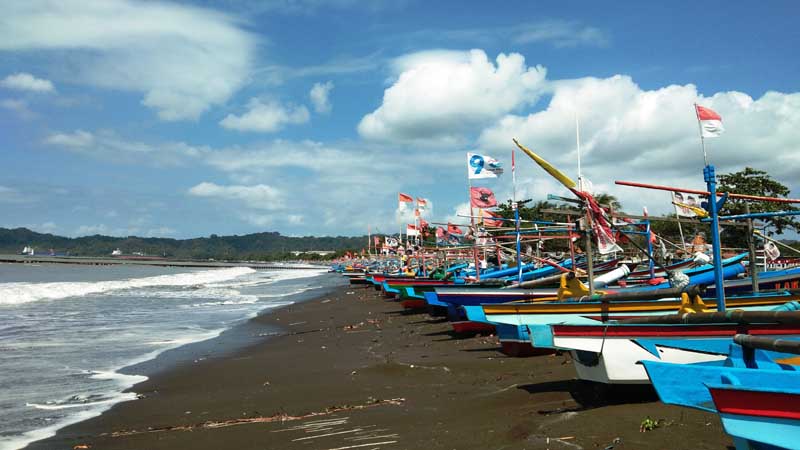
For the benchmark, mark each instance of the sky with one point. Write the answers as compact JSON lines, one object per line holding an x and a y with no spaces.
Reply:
{"x":307,"y":117}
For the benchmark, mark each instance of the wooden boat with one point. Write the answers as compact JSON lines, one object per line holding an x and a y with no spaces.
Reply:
{"x":609,"y":353}
{"x":755,"y":391}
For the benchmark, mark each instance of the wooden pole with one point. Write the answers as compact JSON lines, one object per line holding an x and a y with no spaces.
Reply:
{"x":752,"y":250}
{"x":759,"y":198}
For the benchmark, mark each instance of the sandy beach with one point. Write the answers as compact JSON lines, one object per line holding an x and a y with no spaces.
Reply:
{"x":352,"y":370}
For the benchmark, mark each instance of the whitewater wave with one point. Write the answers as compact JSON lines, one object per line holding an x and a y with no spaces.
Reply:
{"x":19,"y":293}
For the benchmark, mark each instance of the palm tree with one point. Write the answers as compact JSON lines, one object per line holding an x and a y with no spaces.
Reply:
{"x":608,"y":200}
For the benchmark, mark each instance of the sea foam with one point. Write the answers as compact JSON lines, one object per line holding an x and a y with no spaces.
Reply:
{"x":19,"y":293}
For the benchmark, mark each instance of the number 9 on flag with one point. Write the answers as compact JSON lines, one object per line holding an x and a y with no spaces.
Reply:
{"x":482,"y":166}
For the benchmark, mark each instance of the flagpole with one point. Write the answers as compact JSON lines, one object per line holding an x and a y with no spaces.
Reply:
{"x":678,"y":219}
{"x":702,"y":139}
{"x":515,"y":206}
{"x":710,"y":177}
{"x":474,"y":234}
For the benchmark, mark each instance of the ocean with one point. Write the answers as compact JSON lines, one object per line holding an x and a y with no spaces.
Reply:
{"x":67,"y":331}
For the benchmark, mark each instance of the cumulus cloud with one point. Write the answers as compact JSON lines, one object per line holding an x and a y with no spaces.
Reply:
{"x":259,"y":196}
{"x":265,"y":117}
{"x":26,"y":82}
{"x":651,"y":135}
{"x":319,"y":97}
{"x":183,"y":59}
{"x":440,"y":95}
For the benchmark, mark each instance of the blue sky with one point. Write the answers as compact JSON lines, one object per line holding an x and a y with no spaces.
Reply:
{"x":185,"y":119}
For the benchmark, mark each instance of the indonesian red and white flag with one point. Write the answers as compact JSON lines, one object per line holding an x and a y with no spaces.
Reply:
{"x":710,"y":122}
{"x":422,"y":203}
{"x":404,"y":198}
{"x":412,"y":230}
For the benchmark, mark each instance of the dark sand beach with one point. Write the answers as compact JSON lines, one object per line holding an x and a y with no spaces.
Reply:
{"x":351,"y":370}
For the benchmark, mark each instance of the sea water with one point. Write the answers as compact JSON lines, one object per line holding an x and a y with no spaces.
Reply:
{"x":67,"y":330}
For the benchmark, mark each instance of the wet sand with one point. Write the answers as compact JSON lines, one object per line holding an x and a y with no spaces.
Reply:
{"x":351,"y":370}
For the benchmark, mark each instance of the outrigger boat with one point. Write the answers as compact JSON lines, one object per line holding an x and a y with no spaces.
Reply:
{"x":755,"y":390}
{"x":609,"y":353}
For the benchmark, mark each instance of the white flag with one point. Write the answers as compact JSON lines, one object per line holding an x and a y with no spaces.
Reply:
{"x":771,"y":251}
{"x":685,"y":199}
{"x":482,"y":166}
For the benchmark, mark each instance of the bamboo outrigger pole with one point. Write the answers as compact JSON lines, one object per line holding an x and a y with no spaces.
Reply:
{"x":759,"y":198}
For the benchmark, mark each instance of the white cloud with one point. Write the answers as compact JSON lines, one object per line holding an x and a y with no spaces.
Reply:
{"x":629,"y":133}
{"x":265,"y":117}
{"x":183,"y":59}
{"x":18,"y":106}
{"x":319,"y":97}
{"x":295,"y":219}
{"x":108,"y":146}
{"x":26,"y":82}
{"x":439,"y":96}
{"x":12,"y":195}
{"x":259,"y":196}
{"x":78,"y":139}
{"x":561,"y":33}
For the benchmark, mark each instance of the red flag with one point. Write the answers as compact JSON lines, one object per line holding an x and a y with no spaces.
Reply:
{"x":416,"y":212}
{"x":704,"y":113}
{"x":453,"y":229}
{"x":481,"y":197}
{"x":490,"y":219}
{"x":412,"y":230}
{"x":423,"y":225}
{"x":601,"y":226}
{"x":422,"y":203}
{"x":405,"y":198}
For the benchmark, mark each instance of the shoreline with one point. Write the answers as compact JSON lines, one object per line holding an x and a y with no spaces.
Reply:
{"x":351,"y":368}
{"x":221,"y":342}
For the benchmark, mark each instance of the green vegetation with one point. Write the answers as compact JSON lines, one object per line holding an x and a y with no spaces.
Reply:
{"x":257,"y":246}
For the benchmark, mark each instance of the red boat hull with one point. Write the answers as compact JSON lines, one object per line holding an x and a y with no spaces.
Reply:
{"x":472,"y":327}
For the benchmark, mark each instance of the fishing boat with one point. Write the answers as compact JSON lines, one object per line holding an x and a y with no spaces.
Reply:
{"x":755,"y":390}
{"x":609,"y":353}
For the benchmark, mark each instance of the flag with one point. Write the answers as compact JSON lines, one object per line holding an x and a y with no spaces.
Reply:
{"x":482,"y":166}
{"x":403,"y":199}
{"x":412,"y":230}
{"x":685,"y":204}
{"x":441,"y":236}
{"x":490,"y":219}
{"x":422,"y":203}
{"x":392,"y":241}
{"x":423,"y":226}
{"x":601,"y":226}
{"x":416,"y":212}
{"x":481,"y":197}
{"x":377,"y":241}
{"x":710,"y":122}
{"x":453,"y":229}
{"x":771,"y":251}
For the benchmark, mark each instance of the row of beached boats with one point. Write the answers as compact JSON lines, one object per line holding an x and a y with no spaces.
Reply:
{"x":707,"y":336}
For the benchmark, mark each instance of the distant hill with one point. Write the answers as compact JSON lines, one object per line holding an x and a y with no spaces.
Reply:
{"x":268,"y":245}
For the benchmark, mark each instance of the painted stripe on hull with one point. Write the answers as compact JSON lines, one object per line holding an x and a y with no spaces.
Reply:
{"x":678,"y":330}
{"x":757,"y":403}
